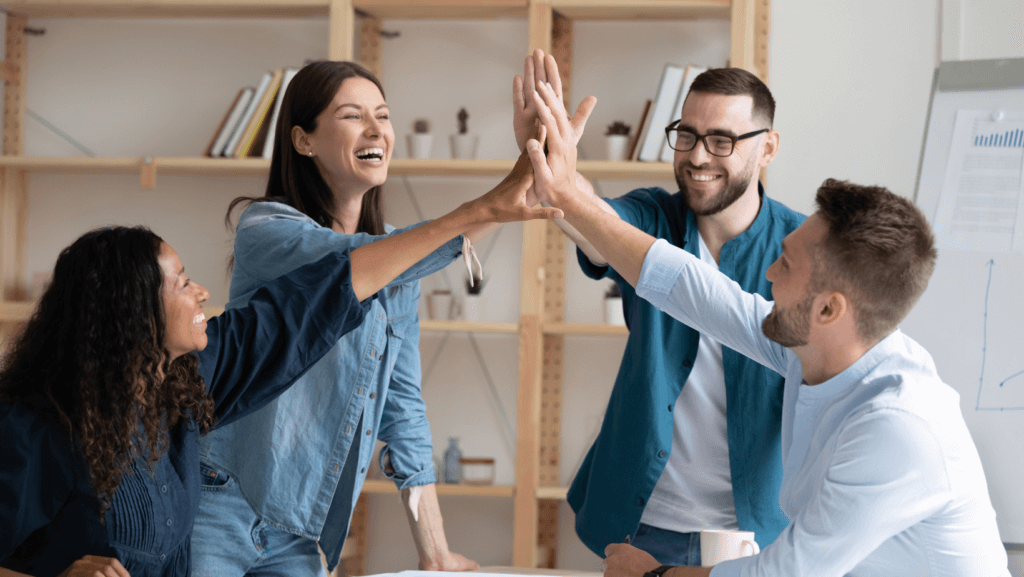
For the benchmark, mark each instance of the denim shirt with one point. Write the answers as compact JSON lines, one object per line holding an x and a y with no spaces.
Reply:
{"x":49,"y":513}
{"x":289,"y":459}
{"x":622,"y":467}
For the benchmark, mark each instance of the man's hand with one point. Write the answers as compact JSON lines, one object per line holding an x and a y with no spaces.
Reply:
{"x":541,"y":68}
{"x":94,"y":566}
{"x":507,"y":202}
{"x":555,"y":172}
{"x":624,"y":560}
{"x":450,"y":562}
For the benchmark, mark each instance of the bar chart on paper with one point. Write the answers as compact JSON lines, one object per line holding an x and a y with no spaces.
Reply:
{"x":1006,"y":139}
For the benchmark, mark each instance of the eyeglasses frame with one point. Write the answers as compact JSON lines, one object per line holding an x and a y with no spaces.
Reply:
{"x":703,"y":138}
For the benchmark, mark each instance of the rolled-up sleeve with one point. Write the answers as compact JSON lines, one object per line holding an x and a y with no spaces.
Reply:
{"x":408,"y":450}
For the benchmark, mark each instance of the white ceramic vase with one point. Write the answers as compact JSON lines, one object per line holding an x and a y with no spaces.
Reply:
{"x":617,"y":146}
{"x":464,"y":146}
{"x":419,"y":144}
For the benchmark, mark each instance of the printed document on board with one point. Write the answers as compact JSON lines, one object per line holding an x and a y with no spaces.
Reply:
{"x":981,"y":206}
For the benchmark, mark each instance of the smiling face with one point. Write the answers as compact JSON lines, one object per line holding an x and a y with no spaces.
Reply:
{"x":791,"y":275}
{"x":710,"y":184}
{"x":184,"y":321}
{"x":353,"y":140}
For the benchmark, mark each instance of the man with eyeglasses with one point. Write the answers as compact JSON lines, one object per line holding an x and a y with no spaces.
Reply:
{"x":691,"y":437}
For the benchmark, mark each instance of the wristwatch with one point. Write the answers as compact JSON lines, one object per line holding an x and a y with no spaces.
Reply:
{"x":659,"y":572}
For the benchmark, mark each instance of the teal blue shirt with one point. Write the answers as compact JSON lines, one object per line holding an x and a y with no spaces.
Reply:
{"x":623,"y":465}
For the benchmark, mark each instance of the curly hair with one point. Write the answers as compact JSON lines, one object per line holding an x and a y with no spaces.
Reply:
{"x":92,"y":358}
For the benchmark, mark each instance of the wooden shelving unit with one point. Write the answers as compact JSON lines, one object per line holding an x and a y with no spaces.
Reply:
{"x":540,"y":329}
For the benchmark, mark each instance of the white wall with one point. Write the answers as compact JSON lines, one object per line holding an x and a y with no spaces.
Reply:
{"x":851,"y":81}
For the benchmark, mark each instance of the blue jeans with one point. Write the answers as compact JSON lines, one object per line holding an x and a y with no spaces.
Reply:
{"x":229,"y":540}
{"x":668,"y":547}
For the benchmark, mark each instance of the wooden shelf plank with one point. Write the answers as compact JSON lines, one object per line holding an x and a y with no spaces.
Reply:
{"x":378,"y":487}
{"x":462,"y":326}
{"x":574,"y":329}
{"x":442,"y":9}
{"x":642,"y":9}
{"x":201,"y":166}
{"x":553,"y":493}
{"x":168,"y":8}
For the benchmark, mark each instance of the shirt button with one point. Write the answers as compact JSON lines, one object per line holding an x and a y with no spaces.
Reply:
{"x":363,"y":470}
{"x":163,"y":489}
{"x":380,"y":358}
{"x":640,"y":501}
{"x":686,"y":362}
{"x":661,"y":454}
{"x":168,"y":522}
{"x":670,"y":408}
{"x":373,"y":395}
{"x":162,"y":557}
{"x":367,"y":431}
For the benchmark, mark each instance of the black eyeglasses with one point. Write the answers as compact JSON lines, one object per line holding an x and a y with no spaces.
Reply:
{"x":715,"y":144}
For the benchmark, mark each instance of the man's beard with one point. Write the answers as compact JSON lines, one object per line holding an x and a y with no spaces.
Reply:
{"x":719,"y":202}
{"x":789,"y":327}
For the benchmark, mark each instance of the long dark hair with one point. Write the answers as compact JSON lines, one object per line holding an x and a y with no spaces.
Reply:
{"x":295,"y":177}
{"x":91,"y":359}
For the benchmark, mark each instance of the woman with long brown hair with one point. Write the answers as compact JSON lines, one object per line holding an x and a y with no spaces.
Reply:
{"x":282,"y":483}
{"x":106,"y":392}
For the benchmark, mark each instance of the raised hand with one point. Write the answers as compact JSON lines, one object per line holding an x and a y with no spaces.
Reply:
{"x":509,"y":201}
{"x":555,"y":172}
{"x":538,"y":69}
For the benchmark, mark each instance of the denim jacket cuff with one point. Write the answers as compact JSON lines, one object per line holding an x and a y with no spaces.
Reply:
{"x":423,"y":477}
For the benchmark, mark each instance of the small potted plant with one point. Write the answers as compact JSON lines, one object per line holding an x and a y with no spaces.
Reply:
{"x":617,"y":138}
{"x":420,"y":139}
{"x":471,"y":306}
{"x":613,"y":314}
{"x":463,"y":143}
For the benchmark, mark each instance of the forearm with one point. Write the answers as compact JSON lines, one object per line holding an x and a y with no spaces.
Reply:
{"x":426,"y":524}
{"x":623,"y":246}
{"x":688,"y":572}
{"x":574,"y":235}
{"x":376,"y":264}
{"x":480,"y":231}
{"x":9,"y":573}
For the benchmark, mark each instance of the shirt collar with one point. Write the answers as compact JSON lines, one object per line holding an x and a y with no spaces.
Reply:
{"x":856,"y":372}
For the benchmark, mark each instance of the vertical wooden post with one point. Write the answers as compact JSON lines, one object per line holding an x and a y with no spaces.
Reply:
{"x":531,"y":343}
{"x":341,"y":18}
{"x":762,"y":27}
{"x":369,"y":43}
{"x":742,"y":34}
{"x":554,"y":312}
{"x":356,"y":564}
{"x":13,"y":183}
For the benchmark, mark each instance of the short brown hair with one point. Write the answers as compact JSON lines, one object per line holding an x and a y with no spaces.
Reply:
{"x":878,"y":249}
{"x":738,"y":82}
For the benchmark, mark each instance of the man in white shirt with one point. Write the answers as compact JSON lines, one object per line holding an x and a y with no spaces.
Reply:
{"x":880,"y":475}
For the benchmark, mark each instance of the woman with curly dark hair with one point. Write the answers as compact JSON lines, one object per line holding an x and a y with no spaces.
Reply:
{"x":104,"y":395}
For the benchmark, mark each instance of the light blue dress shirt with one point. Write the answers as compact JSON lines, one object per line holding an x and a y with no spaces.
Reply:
{"x":292,"y":458}
{"x":880,"y":474}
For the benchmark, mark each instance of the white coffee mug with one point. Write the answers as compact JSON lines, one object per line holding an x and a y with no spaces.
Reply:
{"x":721,"y":545}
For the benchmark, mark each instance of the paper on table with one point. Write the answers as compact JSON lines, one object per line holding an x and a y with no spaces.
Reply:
{"x":981,"y":205}
{"x":441,"y":574}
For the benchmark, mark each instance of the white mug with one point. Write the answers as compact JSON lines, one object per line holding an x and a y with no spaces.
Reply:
{"x":721,"y":545}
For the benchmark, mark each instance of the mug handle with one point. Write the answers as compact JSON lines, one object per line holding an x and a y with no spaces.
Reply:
{"x":752,"y":545}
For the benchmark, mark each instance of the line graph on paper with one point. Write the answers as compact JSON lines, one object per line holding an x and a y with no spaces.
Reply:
{"x":1004,"y":388}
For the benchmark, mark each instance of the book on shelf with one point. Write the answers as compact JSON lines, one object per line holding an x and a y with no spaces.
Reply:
{"x":631,"y":149}
{"x":661,"y":110}
{"x":259,"y":116}
{"x":268,"y":141}
{"x":231,"y":121}
{"x":667,"y":152}
{"x":229,"y":150}
{"x":223,"y":121}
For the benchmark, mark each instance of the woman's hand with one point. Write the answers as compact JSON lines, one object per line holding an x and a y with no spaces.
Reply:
{"x":541,"y":68}
{"x":94,"y":566}
{"x":511,"y":200}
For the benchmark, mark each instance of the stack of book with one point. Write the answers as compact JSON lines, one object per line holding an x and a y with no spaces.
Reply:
{"x":649,"y":143}
{"x":247,"y":129}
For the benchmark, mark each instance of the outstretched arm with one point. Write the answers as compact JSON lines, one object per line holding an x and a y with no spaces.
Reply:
{"x":428,"y":532}
{"x":374,"y":265}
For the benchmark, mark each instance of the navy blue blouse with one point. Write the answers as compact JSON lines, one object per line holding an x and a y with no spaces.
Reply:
{"x":49,"y":515}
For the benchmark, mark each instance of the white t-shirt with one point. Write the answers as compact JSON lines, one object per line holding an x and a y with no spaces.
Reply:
{"x":694,"y":491}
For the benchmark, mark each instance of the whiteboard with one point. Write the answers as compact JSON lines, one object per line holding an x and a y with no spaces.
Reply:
{"x":971,"y":318}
